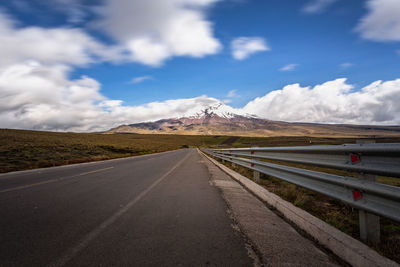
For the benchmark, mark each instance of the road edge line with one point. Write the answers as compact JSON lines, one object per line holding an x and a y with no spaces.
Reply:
{"x":341,"y":244}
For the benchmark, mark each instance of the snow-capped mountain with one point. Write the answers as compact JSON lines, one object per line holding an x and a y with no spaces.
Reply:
{"x":221,"y":119}
{"x":219,"y":109}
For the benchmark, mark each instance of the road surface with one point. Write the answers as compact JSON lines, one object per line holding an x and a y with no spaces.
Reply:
{"x":153,"y":210}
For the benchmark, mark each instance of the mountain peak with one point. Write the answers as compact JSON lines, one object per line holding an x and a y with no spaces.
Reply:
{"x":218,"y":109}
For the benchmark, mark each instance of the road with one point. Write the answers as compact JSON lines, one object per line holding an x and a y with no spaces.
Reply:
{"x":153,"y":210}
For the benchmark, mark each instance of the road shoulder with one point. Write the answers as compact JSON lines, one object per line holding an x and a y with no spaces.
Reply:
{"x":276,"y":242}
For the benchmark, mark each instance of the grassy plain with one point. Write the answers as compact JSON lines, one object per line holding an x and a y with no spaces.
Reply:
{"x":21,"y":149}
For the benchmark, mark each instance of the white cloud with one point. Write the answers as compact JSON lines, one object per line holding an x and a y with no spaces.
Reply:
{"x":243,"y":47}
{"x":382,"y":22}
{"x":289,"y":67}
{"x":331,"y":102}
{"x":34,"y":96}
{"x":317,"y":6}
{"x":232,"y":93}
{"x":75,"y":10}
{"x":141,"y":79}
{"x":346,"y":65}
{"x":66,"y":46}
{"x":154,"y":30}
{"x":147,"y":32}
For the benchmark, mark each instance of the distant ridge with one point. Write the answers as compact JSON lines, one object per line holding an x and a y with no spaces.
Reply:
{"x":221,"y":119}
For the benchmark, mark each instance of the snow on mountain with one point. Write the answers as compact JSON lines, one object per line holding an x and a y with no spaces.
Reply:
{"x":220,"y":110}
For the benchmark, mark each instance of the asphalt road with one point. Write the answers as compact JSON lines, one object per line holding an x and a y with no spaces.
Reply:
{"x":153,"y":210}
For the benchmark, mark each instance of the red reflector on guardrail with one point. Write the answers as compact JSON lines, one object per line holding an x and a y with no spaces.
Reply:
{"x":354,"y":158}
{"x":356,"y":195}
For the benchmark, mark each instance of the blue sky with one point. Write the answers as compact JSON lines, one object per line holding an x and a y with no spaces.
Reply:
{"x":285,"y":42}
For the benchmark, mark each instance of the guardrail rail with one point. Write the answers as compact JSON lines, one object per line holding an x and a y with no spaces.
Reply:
{"x":373,"y":199}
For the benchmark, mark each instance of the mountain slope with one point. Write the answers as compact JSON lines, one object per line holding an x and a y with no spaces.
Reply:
{"x":224,"y":120}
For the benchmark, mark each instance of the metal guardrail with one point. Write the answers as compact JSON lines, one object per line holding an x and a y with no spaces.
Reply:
{"x":363,"y":193}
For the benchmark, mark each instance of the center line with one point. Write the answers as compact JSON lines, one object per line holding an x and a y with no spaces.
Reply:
{"x":83,"y":243}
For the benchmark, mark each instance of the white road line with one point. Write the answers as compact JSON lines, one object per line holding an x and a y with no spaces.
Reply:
{"x":83,"y":243}
{"x":84,"y":173}
{"x":27,"y":186}
{"x":51,"y":181}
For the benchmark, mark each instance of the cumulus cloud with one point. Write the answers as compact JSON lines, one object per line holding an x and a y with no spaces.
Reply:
{"x":68,"y":46}
{"x":243,"y":47}
{"x":147,"y":32}
{"x":317,"y":6}
{"x":155,"y":30}
{"x":33,"y":96}
{"x":289,"y":67}
{"x":331,"y":102}
{"x":382,"y":22}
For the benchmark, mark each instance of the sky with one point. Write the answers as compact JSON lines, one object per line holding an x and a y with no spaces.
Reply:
{"x":90,"y":65}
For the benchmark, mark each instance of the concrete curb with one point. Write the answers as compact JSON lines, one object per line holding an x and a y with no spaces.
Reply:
{"x":341,"y":244}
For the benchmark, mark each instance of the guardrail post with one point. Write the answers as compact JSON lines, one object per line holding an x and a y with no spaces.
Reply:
{"x":256,"y":176}
{"x":370,"y":229}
